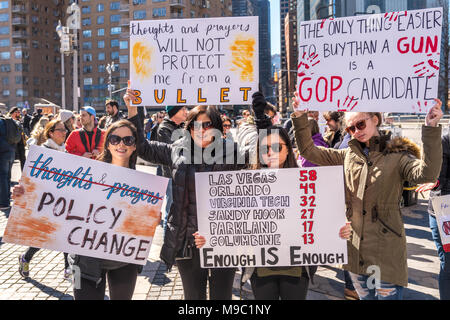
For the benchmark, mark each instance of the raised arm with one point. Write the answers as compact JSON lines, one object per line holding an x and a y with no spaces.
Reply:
{"x":427,"y":169}
{"x":151,"y":151}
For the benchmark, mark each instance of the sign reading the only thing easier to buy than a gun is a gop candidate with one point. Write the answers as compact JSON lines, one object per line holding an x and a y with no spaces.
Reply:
{"x":285,"y":217}
{"x":211,"y":61}
{"x":385,"y":62}
{"x":87,"y":207}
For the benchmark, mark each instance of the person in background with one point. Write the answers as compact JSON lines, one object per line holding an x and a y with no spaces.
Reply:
{"x":36,"y":116}
{"x":333,"y":135}
{"x":7,"y":156}
{"x":88,"y":140}
{"x":226,"y":124}
{"x":26,"y":121}
{"x":37,"y":135}
{"x":68,"y":118}
{"x":77,"y":124}
{"x":317,"y":139}
{"x":375,"y":168}
{"x":15,"y":114}
{"x":148,"y":124}
{"x":113,"y":112}
{"x":55,"y":135}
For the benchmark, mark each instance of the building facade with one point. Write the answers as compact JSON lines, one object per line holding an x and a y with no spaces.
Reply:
{"x":30,"y":60}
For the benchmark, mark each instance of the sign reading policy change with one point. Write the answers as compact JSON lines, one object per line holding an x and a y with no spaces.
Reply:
{"x":212,"y":61}
{"x":87,"y":207}
{"x":385,"y":62}
{"x":285,"y":217}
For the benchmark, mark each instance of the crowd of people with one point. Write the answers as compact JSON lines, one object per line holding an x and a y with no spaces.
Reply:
{"x":375,"y":167}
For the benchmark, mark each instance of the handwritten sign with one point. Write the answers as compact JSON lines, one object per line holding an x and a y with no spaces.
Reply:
{"x":382,"y":62}
{"x":286,"y":217}
{"x":441,"y":206}
{"x":194,"y":61}
{"x":87,"y":207}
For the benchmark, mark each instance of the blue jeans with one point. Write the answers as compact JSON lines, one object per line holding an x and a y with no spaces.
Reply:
{"x":444,"y":273}
{"x":6,"y":163}
{"x":386,"y":291}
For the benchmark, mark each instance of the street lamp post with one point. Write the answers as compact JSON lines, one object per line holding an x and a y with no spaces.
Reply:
{"x":74,"y":22}
{"x":65,"y":48}
{"x":110,"y":69}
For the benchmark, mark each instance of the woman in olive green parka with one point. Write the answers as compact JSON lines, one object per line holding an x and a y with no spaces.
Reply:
{"x":375,"y":169}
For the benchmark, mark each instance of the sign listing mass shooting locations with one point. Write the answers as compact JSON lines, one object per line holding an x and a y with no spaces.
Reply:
{"x":441,"y":206}
{"x":210,"y":61}
{"x":382,"y":62}
{"x":285,"y":217}
{"x":87,"y":207}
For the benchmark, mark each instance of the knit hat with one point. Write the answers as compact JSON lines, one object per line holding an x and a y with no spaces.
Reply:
{"x":65,"y":115}
{"x":173,"y":110}
{"x":90,"y":110}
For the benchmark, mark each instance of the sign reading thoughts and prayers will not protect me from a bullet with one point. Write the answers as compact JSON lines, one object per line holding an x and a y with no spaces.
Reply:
{"x":211,"y":61}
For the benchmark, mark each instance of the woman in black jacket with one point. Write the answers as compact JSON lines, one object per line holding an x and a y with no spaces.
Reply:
{"x":192,"y":152}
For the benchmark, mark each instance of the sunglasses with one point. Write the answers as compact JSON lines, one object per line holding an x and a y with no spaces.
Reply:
{"x":202,"y":125}
{"x":360,"y":125}
{"x":275,"y":147}
{"x":128,"y":140}
{"x":227,"y":125}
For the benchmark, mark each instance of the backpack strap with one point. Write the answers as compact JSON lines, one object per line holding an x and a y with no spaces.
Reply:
{"x":83,"y":139}
{"x":98,"y":135}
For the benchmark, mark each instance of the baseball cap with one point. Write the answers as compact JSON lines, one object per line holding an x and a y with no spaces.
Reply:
{"x":90,"y":110}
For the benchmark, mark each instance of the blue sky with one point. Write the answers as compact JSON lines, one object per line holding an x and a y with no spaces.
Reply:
{"x":275,"y":26}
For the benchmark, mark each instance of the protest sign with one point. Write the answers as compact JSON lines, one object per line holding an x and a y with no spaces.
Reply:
{"x":382,"y":62}
{"x":87,"y":207}
{"x":441,"y":206}
{"x":285,"y":217}
{"x":210,"y":61}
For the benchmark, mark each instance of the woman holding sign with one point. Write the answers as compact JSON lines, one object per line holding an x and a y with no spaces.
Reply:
{"x":375,"y":168}
{"x":274,"y":150}
{"x":119,"y":149}
{"x":192,"y":152}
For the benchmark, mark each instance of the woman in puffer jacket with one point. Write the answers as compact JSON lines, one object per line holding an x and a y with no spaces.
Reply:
{"x":375,"y":168}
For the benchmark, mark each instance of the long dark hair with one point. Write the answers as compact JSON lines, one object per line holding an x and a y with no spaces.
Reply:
{"x":106,"y":156}
{"x":290,"y":162}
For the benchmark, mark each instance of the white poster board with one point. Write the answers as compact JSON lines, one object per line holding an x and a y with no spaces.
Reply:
{"x":212,"y":61}
{"x":385,"y":62}
{"x":285,"y":217}
{"x":87,"y":207}
{"x":441,"y":206}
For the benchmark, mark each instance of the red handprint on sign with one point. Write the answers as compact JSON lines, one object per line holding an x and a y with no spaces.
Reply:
{"x":323,"y":22}
{"x":306,"y":63}
{"x":419,"y":107}
{"x":428,"y":67}
{"x":347,"y":105}
{"x":393,"y":15}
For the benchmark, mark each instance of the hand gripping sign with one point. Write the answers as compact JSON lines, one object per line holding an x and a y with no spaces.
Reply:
{"x":86,"y":207}
{"x":441,"y":206}
{"x":268,"y":218}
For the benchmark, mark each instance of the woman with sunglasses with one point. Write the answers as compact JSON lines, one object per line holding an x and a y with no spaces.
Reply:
{"x":226,"y":124}
{"x":274,"y":150}
{"x":54,"y":135}
{"x":375,"y":168}
{"x":193,"y":152}
{"x":119,"y":149}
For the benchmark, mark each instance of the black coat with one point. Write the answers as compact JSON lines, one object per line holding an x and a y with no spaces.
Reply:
{"x":182,"y":220}
{"x":164,"y":134}
{"x":444,"y":177}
